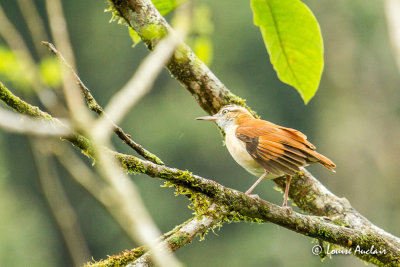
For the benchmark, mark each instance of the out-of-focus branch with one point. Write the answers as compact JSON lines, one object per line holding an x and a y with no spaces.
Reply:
{"x":392,"y":9}
{"x":35,"y":24}
{"x":19,"y":123}
{"x":63,"y":212}
{"x":94,"y":106}
{"x":22,"y":124}
{"x":352,"y":232}
{"x":59,"y":30}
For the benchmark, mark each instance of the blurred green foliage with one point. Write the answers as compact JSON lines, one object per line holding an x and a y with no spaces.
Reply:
{"x":12,"y":70}
{"x":134,"y":36}
{"x":201,"y":34}
{"x":50,"y":70}
{"x":353,"y":119}
{"x":166,"y":6}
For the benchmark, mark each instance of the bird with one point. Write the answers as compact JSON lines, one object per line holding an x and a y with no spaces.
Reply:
{"x":265,"y":149}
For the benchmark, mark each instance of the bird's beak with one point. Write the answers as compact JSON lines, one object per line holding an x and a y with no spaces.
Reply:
{"x":207,"y":118}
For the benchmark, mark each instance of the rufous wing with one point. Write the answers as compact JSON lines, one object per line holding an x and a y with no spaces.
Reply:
{"x":278,"y":149}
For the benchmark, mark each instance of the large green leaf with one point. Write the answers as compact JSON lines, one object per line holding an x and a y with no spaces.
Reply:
{"x":293,"y":39}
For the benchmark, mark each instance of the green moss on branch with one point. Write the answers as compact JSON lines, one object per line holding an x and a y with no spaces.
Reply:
{"x":122,"y":259}
{"x":19,"y":105}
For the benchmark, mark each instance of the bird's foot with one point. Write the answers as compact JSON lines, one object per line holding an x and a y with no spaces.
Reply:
{"x":253,"y":195}
{"x":288,"y":208}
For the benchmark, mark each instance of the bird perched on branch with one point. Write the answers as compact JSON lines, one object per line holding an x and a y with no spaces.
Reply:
{"x":264,"y":149}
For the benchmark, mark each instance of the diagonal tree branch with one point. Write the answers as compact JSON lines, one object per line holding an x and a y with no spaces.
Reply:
{"x":94,"y":106}
{"x":232,"y":205}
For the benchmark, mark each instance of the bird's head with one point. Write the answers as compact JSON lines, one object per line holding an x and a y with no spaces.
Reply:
{"x":228,"y":116}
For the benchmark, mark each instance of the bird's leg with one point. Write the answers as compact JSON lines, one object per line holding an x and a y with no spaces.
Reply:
{"x":288,"y":178}
{"x":256,"y":183}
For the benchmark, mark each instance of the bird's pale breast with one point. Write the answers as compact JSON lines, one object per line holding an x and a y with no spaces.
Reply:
{"x":238,"y":151}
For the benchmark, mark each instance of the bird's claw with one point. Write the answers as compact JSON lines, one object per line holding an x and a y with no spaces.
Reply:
{"x":288,"y":208}
{"x":254,"y":195}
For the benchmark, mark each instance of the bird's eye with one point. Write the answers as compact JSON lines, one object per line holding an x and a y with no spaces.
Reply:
{"x":224,"y":112}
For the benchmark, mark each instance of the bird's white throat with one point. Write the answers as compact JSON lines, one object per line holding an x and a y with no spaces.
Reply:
{"x":226,"y":124}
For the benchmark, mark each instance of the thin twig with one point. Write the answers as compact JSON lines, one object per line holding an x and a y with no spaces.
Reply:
{"x":94,"y":106}
{"x":59,"y":204}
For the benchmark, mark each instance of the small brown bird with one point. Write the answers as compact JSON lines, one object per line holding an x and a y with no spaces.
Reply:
{"x":264,"y":149}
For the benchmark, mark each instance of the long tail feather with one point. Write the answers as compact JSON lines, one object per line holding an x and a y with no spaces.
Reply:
{"x":324,"y":161}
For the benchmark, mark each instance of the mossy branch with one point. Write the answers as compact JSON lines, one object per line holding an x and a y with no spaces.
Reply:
{"x":180,"y":236}
{"x":224,"y":204}
{"x":19,"y":105}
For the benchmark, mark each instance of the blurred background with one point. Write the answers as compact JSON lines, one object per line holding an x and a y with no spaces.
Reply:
{"x":353,"y":119}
